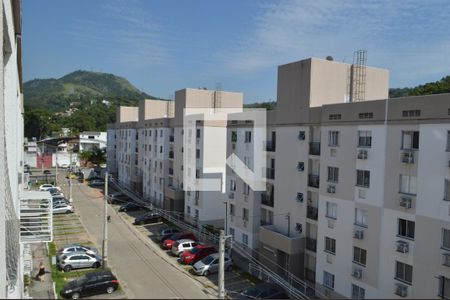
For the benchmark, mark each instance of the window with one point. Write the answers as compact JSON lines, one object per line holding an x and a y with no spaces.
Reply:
{"x":364,"y":138}
{"x":331,"y":210}
{"x":231,"y":209}
{"x":330,"y":245}
{"x":403,"y":272}
{"x":334,"y":116}
{"x":233,"y":136}
{"x":406,"y":228}
{"x":150,"y":132}
{"x":333,"y":174}
{"x":411,"y":113}
{"x":358,"y":292}
{"x":246,"y":189}
{"x":361,"y":217}
{"x":366,"y":115}
{"x":333,"y":138}
{"x":189,"y":210}
{"x":328,"y":280}
{"x":231,"y":229}
{"x":408,"y":184}
{"x":160,"y":149}
{"x":197,"y":153}
{"x":446,"y":238}
{"x":245,"y":214}
{"x":245,"y":239}
{"x":359,"y":255}
{"x":196,"y":214}
{"x":232,"y":185}
{"x":444,"y":287}
{"x":447,"y":190}
{"x":198,"y":133}
{"x":248,"y":136}
{"x":363,"y":178}
{"x":410,"y":140}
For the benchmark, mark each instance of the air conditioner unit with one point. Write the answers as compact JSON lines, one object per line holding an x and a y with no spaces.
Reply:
{"x":401,"y":290}
{"x":446,"y":259}
{"x":231,"y":195}
{"x":402,"y":247}
{"x":331,"y":189}
{"x":406,"y":202}
{"x":301,"y":166}
{"x":362,"y":154}
{"x":300,"y":197}
{"x":301,"y":135}
{"x":408,"y":157}
{"x":357,"y":273}
{"x":358,"y":234}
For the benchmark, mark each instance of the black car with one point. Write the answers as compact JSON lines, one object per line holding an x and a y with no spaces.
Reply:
{"x":91,"y":284}
{"x":147,"y":218}
{"x":47,"y":172}
{"x":264,"y":290}
{"x":130,"y":206}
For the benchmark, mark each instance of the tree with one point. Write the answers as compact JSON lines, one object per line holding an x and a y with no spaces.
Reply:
{"x":97,"y":156}
{"x":38,"y":123}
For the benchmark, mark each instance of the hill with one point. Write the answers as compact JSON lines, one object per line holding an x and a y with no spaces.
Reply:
{"x":80,"y":86}
{"x":437,"y":87}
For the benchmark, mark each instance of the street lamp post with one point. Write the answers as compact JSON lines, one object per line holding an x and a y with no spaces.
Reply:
{"x":105,"y":226}
{"x":226,"y":217}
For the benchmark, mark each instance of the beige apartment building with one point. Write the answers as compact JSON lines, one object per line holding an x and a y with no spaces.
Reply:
{"x":358,"y":185}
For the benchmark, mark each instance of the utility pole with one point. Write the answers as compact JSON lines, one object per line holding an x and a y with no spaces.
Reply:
{"x":226,"y":217}
{"x":222,"y":240}
{"x":42,"y":157}
{"x":70,"y":189}
{"x":288,"y":218}
{"x":105,"y":226}
{"x":56,"y":172}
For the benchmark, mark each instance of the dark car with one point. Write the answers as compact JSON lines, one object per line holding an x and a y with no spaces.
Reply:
{"x":166,"y":232}
{"x":168,"y":243}
{"x":130,"y":206}
{"x":113,"y":199}
{"x":264,"y":290}
{"x":148,"y":218}
{"x":47,"y":172}
{"x":91,"y":284}
{"x":97,"y":182}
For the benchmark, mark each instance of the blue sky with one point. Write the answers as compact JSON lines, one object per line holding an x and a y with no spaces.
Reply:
{"x":163,"y":46}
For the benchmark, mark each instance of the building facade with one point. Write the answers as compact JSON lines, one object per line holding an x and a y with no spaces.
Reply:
{"x":358,"y":185}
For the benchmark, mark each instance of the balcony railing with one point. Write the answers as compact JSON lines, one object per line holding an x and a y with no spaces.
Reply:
{"x":314,"y":148}
{"x":270,"y":146}
{"x":270,"y":173}
{"x":313,"y":180}
{"x":311,"y":244}
{"x":266,"y":200}
{"x":312,"y":212}
{"x":171,"y":154}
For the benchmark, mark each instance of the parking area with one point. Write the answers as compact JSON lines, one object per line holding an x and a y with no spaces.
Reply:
{"x":236,"y":280}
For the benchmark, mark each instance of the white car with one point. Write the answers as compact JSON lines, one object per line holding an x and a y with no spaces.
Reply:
{"x":62,"y":208}
{"x":47,"y":186}
{"x":182,"y":245}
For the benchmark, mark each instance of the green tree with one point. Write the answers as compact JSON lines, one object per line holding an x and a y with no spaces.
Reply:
{"x":97,"y":156}
{"x":38,"y":123}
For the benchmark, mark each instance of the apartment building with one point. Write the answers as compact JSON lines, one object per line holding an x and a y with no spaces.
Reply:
{"x":11,"y":152}
{"x":358,"y":185}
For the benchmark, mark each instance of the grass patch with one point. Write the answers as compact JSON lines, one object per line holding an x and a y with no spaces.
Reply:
{"x":249,"y":277}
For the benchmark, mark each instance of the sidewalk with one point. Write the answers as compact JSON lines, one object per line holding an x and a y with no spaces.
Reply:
{"x":37,"y":289}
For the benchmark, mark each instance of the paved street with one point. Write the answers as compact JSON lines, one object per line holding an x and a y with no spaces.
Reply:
{"x":142,"y":271}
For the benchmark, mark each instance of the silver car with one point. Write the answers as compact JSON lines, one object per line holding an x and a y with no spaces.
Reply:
{"x":78,"y":260}
{"x":210,"y":264}
{"x":62,"y":208}
{"x":72,"y":248}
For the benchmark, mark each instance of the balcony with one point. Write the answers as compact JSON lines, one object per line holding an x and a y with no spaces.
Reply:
{"x":312,"y":212}
{"x":270,"y":173}
{"x":170,"y":154}
{"x":171,"y":138}
{"x":314,"y":148}
{"x":266,"y":199}
{"x":270,"y":146}
{"x":36,"y":218}
{"x":313,"y":180}
{"x":311,"y":244}
{"x":173,"y":193}
{"x":272,"y":237}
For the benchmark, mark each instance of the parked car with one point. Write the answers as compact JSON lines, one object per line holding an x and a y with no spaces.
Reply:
{"x":166,"y":232}
{"x":64,"y":166}
{"x":197,"y":253}
{"x":210,"y":264}
{"x":62,"y":208}
{"x":97,"y":182}
{"x":168,"y":243}
{"x":58,"y":201}
{"x":180,"y":246}
{"x":79,"y":260}
{"x":55,"y":192}
{"x":72,"y":248}
{"x":45,"y":187}
{"x":147,"y":218}
{"x":130,"y":206}
{"x":47,"y":172}
{"x":57,"y":197}
{"x":264,"y":290}
{"x":91,"y":284}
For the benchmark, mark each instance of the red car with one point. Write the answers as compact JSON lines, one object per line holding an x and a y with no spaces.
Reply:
{"x":197,"y":253}
{"x":178,"y":236}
